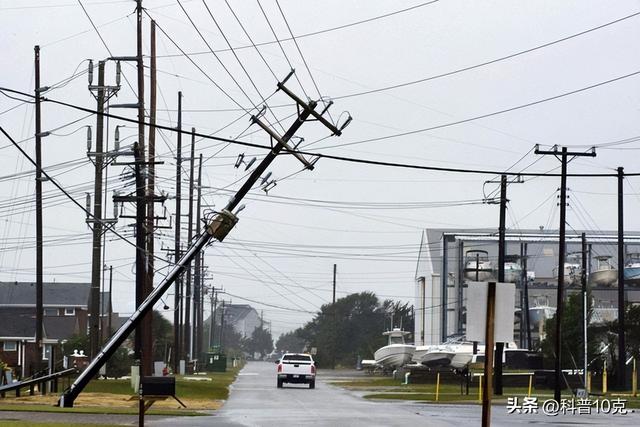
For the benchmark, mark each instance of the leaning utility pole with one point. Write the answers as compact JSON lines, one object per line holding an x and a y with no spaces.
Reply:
{"x":561,"y":257}
{"x":218,"y":228}
{"x":622,"y":354}
{"x":177,"y":313}
{"x":96,"y":256}
{"x":39,"y":291}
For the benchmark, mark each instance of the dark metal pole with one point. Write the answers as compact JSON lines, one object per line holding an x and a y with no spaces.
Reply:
{"x":96,"y":256}
{"x":557,"y":393}
{"x":177,"y":313}
{"x":39,"y":291}
{"x":501,"y":257}
{"x":622,"y":353}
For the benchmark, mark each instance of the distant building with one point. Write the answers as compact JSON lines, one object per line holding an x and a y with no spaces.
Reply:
{"x":244,"y":318}
{"x":451,"y":250}
{"x":65,"y":314}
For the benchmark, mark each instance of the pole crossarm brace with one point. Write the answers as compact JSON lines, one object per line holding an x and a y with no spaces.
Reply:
{"x":217,"y":228}
{"x":555,"y":151}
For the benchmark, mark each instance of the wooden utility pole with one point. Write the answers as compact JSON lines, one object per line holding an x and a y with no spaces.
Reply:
{"x":487,"y":385}
{"x":501,"y":257}
{"x":561,"y":258}
{"x":188,"y":330}
{"x":39,"y":291}
{"x":96,"y":255}
{"x":177,"y":314}
{"x":525,"y":281}
{"x":150,"y":223}
{"x":335,"y":320}
{"x":143,"y":332}
{"x":622,"y":353}
{"x":110,"y":299}
{"x":198,"y":279}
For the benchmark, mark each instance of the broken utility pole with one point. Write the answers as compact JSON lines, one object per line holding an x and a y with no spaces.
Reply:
{"x":561,"y":257}
{"x":218,"y":227}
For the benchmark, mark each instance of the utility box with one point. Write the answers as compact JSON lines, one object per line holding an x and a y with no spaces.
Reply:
{"x":216,"y":362}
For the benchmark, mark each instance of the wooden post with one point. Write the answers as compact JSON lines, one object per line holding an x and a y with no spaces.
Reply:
{"x":437,"y":386}
{"x":588,"y":381}
{"x":604,"y":378}
{"x":480,"y":388}
{"x":488,"y":355}
{"x":530,"y":384}
{"x":634,"y":380}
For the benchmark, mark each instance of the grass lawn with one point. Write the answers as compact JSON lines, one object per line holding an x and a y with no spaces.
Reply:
{"x":393,"y":389}
{"x":117,"y":397}
{"x":14,"y":423}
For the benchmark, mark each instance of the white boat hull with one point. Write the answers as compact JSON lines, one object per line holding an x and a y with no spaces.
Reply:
{"x":394,"y":355}
{"x":604,"y":277}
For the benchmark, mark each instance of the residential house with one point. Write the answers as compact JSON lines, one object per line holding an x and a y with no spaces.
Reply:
{"x":65,"y":312}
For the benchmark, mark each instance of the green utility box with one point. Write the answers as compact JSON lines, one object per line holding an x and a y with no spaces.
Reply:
{"x":216,"y":362}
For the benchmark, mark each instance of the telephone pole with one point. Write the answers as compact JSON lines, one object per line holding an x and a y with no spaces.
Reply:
{"x":39,"y":298}
{"x":585,"y":312}
{"x":501,"y":256}
{"x":96,"y":258}
{"x":188,"y":330}
{"x":177,"y":313}
{"x":622,"y":354}
{"x":561,"y":257}
{"x":198,"y":279}
{"x":335,"y":323}
{"x":143,"y":332}
{"x":149,"y":229}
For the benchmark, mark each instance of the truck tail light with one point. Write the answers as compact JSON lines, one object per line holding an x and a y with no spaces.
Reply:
{"x":313,"y":369}
{"x":280,"y":367}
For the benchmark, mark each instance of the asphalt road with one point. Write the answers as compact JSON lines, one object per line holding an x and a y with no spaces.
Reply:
{"x":255,"y":401}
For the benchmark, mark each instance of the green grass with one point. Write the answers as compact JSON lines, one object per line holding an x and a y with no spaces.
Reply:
{"x":16,"y":423}
{"x":31,"y":407}
{"x":217,"y":389}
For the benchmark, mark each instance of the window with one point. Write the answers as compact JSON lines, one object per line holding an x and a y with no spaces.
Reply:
{"x":10,"y":346}
{"x":50,"y":311}
{"x":70,"y":311}
{"x":46,"y":352}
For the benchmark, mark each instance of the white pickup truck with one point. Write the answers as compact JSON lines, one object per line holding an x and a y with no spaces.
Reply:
{"x":298,"y":368}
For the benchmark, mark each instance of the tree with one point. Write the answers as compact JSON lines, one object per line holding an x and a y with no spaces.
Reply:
{"x":348,"y":329}
{"x":162,"y":333}
{"x":572,"y":336}
{"x":259,"y":342}
{"x":291,"y":341}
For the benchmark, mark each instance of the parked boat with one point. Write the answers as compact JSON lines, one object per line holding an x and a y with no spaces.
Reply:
{"x":455,"y":354}
{"x":632,"y":269}
{"x":605,"y":274}
{"x":478,"y":267}
{"x":572,"y":270}
{"x":512,"y":269}
{"x":396,"y":353}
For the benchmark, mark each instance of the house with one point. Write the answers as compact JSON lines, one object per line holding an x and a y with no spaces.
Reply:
{"x":244,"y":318}
{"x":65,"y":313}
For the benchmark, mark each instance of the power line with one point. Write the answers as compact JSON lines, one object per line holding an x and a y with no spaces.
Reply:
{"x":484,"y":116}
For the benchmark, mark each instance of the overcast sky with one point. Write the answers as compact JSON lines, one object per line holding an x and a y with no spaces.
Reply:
{"x":367,"y":219}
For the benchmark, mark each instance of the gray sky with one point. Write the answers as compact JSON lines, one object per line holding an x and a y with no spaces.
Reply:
{"x":365,"y":218}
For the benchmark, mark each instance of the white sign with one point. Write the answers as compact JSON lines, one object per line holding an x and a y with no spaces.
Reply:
{"x":477,"y":311}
